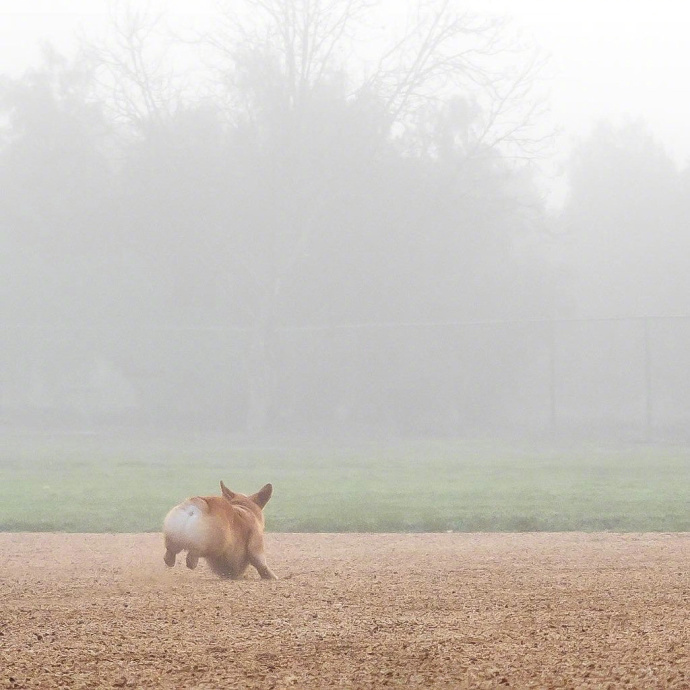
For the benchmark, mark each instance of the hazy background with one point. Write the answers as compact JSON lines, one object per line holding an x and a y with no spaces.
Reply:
{"x":413,"y":226}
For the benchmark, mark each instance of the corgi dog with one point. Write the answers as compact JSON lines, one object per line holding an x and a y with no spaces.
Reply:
{"x":227,"y":530}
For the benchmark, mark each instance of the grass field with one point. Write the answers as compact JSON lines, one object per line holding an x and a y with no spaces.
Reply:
{"x":93,"y":484}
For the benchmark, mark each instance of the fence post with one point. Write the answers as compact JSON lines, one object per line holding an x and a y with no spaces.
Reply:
{"x":552,"y":375}
{"x":649,"y":406}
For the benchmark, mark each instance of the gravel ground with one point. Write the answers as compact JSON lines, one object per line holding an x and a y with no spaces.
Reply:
{"x":350,"y":610}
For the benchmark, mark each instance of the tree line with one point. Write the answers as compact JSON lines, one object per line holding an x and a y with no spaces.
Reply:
{"x":168,"y":246}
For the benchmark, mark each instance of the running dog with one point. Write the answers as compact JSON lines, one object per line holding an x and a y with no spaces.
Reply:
{"x":227,"y":530}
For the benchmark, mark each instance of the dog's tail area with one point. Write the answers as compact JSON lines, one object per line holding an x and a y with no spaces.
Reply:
{"x":185,"y":524}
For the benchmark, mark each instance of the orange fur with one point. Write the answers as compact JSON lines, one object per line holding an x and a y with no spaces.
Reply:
{"x":227,"y":530}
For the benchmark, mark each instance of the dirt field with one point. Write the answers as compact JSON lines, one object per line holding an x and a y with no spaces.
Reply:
{"x":358,"y":611}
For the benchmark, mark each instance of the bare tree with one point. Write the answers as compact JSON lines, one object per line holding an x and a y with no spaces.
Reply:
{"x":305,"y":40}
{"x":280,"y":55}
{"x":441,"y":53}
{"x":136,"y":80}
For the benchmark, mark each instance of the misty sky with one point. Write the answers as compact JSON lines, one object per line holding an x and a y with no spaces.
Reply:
{"x":610,"y":58}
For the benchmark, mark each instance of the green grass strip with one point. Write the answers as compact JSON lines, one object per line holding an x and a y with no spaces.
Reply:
{"x":91,"y":484}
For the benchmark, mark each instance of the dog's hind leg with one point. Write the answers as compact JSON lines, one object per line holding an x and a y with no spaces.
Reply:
{"x":259,"y":562}
{"x":258,"y":559}
{"x":192,"y":560}
{"x":171,"y":551}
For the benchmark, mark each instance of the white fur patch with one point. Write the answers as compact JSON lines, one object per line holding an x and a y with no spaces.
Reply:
{"x":184,"y":525}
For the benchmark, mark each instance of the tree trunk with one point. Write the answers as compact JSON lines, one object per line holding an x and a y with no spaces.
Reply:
{"x":261,"y":375}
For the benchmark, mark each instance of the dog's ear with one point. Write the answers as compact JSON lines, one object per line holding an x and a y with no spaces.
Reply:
{"x":226,"y":492}
{"x":262,"y":495}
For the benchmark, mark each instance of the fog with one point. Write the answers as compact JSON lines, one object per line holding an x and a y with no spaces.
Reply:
{"x":327,"y":220}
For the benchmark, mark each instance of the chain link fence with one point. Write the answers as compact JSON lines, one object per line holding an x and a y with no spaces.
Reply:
{"x":627,"y":376}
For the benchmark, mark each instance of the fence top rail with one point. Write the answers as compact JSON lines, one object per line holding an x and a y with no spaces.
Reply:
{"x":481,"y":322}
{"x":366,"y":325}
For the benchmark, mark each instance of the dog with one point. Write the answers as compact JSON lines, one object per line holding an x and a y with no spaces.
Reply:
{"x":227,"y":530}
